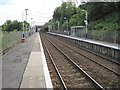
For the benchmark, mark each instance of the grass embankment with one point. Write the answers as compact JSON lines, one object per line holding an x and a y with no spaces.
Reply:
{"x":108,"y":22}
{"x":106,"y":28}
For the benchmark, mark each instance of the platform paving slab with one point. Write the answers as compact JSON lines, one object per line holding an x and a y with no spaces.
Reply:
{"x":35,"y":74}
{"x":14,"y":63}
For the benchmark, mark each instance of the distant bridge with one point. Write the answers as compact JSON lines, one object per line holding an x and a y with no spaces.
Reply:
{"x":38,"y":27}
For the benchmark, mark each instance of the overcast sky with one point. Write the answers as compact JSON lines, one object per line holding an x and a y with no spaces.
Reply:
{"x":40,"y":10}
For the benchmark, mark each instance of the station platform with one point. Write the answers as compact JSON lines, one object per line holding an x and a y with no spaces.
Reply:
{"x":36,"y":74}
{"x":25,"y":66}
{"x":102,"y":43}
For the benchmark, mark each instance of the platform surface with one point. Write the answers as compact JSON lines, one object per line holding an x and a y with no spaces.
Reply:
{"x":25,"y":66}
{"x":14,"y":62}
{"x":102,"y":43}
{"x":36,"y":72}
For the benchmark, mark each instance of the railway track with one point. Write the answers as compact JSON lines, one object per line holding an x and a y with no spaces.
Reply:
{"x":70,"y":74}
{"x":113,"y":74}
{"x":54,"y":72}
{"x":114,"y":70}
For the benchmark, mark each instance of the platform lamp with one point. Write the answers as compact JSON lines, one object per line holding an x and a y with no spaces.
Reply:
{"x":23,"y":33}
{"x":58,"y":25}
{"x":31,"y":25}
{"x":26,"y":20}
{"x":86,"y":21}
{"x":67,"y":23}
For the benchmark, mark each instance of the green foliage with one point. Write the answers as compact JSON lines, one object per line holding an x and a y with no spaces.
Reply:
{"x":68,"y":15}
{"x":13,"y":25}
{"x":101,"y":16}
{"x":65,"y":10}
{"x":109,"y":22}
{"x":97,"y":10}
{"x":78,"y":18}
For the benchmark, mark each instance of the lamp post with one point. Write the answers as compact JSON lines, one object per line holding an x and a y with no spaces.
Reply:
{"x":67,"y":23}
{"x":23,"y":32}
{"x":86,"y":21}
{"x":23,"y":35}
{"x":31,"y":26}
{"x":26,"y":20}
{"x":58,"y":26}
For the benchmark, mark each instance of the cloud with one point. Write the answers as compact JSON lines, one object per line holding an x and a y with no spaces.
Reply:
{"x":39,"y":10}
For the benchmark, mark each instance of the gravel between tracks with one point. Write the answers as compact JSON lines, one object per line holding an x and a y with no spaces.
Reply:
{"x":108,"y":79}
{"x":70,"y":74}
{"x":55,"y":79}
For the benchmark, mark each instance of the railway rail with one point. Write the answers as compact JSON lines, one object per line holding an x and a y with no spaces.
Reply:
{"x":105,"y":50}
{"x":60,"y":81}
{"x":114,"y":70}
{"x":81,"y":77}
{"x":106,"y":69}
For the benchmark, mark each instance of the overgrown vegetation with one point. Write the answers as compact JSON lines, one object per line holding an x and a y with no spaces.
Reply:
{"x":101,"y":16}
{"x":13,"y":25}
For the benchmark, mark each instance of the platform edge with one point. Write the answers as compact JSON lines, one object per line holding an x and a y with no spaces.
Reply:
{"x":46,"y":71}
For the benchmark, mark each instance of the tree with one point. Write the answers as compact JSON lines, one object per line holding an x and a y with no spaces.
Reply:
{"x":97,"y":10}
{"x":65,"y":10}
{"x":13,"y":25}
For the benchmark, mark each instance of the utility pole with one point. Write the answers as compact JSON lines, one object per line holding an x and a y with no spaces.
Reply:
{"x":86,"y":21}
{"x":23,"y":32}
{"x":67,"y":25}
{"x":26,"y":20}
{"x":31,"y":27}
{"x":23,"y":36}
{"x":58,"y":26}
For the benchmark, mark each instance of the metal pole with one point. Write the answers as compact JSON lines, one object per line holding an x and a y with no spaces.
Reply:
{"x":26,"y":21}
{"x":67,"y":27}
{"x":86,"y":24}
{"x":23,"y":25}
{"x":58,"y":26}
{"x":31,"y":25}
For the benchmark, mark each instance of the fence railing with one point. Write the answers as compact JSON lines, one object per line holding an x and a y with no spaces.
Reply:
{"x":1,"y":41}
{"x":8,"y":39}
{"x":102,"y":35}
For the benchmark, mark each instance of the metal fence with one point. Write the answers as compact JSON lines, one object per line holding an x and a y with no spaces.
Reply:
{"x":8,"y":39}
{"x":102,"y":35}
{"x":0,"y":44}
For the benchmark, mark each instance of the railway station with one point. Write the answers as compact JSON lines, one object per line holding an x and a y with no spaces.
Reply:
{"x":44,"y":67}
{"x":72,"y":48}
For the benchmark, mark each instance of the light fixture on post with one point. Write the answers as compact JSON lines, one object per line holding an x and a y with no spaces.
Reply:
{"x":23,"y":32}
{"x":31,"y":26}
{"x":86,"y":21}
{"x":26,"y":20}
{"x":67,"y":25}
{"x":58,"y":25}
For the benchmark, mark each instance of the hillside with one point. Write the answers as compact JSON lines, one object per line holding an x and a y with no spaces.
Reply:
{"x":108,"y":22}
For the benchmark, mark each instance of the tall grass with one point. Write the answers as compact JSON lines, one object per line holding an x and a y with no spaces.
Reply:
{"x":9,"y":39}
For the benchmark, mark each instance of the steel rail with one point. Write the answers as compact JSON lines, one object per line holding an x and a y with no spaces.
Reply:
{"x":92,"y":60}
{"x":79,"y":68}
{"x":60,"y":77}
{"x":102,"y":56}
